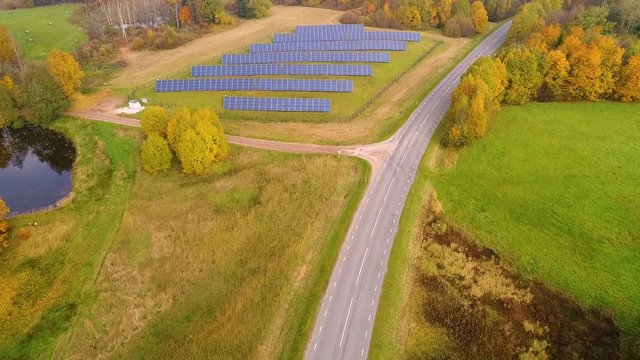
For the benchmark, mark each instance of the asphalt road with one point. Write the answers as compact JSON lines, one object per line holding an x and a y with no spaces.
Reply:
{"x":345,"y":321}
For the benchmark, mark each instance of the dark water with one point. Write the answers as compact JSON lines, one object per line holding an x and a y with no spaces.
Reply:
{"x":35,"y":167}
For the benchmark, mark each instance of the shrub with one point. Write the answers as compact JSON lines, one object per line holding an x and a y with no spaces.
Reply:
{"x":452,"y":29}
{"x":156,"y":155}
{"x":8,"y":112}
{"x":253,"y":8}
{"x":459,"y":26}
{"x":154,"y":121}
{"x":24,"y":233}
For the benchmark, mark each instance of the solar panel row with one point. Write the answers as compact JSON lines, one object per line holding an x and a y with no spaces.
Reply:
{"x":330,"y":45}
{"x":254,"y":85}
{"x":331,"y":28}
{"x":344,"y":36}
{"x":277,"y":104}
{"x":282,"y":69}
{"x":307,"y":56}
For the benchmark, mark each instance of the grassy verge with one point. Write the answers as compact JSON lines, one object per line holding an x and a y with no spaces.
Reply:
{"x":36,"y":37}
{"x":228,"y":265}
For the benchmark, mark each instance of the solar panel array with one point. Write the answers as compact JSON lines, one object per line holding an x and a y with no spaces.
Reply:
{"x":330,"y":45}
{"x":277,"y":104}
{"x":345,"y":36}
{"x":307,"y":56}
{"x":282,"y":69}
{"x":237,"y":84}
{"x":316,"y":43}
{"x":330,"y":28}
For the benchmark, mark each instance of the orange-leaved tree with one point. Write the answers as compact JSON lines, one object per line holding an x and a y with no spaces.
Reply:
{"x":555,"y":81}
{"x":629,"y":84}
{"x":65,"y":70}
{"x":6,"y":46}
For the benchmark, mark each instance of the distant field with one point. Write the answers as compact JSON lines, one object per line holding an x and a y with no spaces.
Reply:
{"x":343,"y":105}
{"x":44,"y":37}
{"x":231,"y":265}
{"x":553,"y":189}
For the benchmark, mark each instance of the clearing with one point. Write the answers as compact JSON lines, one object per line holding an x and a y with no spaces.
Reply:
{"x":147,"y":66}
{"x":30,"y":27}
{"x":230,"y":265}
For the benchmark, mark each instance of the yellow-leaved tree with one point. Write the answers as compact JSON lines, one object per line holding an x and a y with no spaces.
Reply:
{"x":156,"y":155}
{"x":4,"y":225}
{"x":65,"y":70}
{"x":198,"y":140}
{"x":154,"y":120}
{"x":479,"y":16}
{"x":629,"y":84}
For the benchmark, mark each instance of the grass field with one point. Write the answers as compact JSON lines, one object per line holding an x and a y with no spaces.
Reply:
{"x":231,"y":265}
{"x":344,"y":106}
{"x":33,"y":24}
{"x":554,"y":189}
{"x":551,"y":189}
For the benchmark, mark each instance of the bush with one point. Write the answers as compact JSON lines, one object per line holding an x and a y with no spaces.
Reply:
{"x":459,"y":26}
{"x":156,"y":155}
{"x":253,"y":9}
{"x":452,"y":29}
{"x":4,"y":225}
{"x":24,"y":233}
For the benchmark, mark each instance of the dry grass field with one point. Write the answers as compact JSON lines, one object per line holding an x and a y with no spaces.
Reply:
{"x":231,"y":265}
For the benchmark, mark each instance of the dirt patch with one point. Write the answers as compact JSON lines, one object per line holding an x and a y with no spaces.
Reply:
{"x":145,"y":66}
{"x":488,"y":311}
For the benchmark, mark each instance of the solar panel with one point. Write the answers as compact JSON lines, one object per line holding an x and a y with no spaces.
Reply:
{"x":238,"y":84}
{"x":330,"y":28}
{"x":307,"y":56}
{"x":330,"y":45}
{"x":282,"y":69}
{"x":277,"y":104}
{"x":345,"y":36}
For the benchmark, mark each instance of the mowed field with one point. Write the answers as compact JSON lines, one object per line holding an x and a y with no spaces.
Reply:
{"x":553,"y":188}
{"x":231,"y":265}
{"x":26,"y":24}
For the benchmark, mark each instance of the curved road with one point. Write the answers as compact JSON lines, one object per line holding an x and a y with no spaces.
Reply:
{"x":345,"y":320}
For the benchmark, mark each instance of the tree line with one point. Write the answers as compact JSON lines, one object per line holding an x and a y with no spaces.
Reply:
{"x":195,"y":137}
{"x":36,"y":92}
{"x":554,"y":53}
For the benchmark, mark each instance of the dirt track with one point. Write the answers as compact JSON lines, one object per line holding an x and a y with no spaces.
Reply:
{"x":145,"y":66}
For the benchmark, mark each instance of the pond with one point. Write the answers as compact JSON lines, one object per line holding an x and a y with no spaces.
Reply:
{"x":35,"y":167}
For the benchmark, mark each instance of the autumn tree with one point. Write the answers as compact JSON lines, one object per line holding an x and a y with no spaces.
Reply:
{"x":494,"y":74}
{"x":185,"y":15}
{"x":526,"y":69}
{"x":611,"y":62}
{"x":555,"y":81}
{"x":154,"y":120}
{"x":198,"y":140}
{"x":8,"y":111}
{"x":467,"y":116}
{"x":65,"y":70}
{"x":629,"y":83}
{"x":156,"y":155}
{"x":525,"y":22}
{"x":4,"y":224}
{"x":479,"y":16}
{"x":595,"y":17}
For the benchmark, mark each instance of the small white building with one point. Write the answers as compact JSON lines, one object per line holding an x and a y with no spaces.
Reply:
{"x":135,"y":105}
